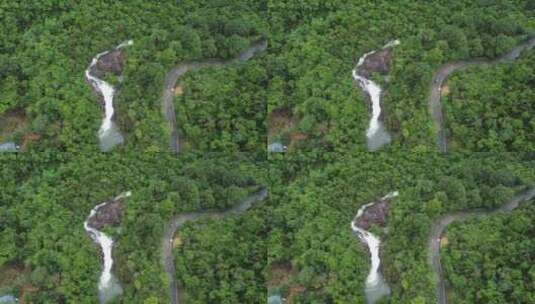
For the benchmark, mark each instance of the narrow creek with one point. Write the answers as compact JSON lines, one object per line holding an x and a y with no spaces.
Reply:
{"x":109,"y":133}
{"x":376,"y":286}
{"x":377,"y":135}
{"x":183,"y":218}
{"x":108,"y":286}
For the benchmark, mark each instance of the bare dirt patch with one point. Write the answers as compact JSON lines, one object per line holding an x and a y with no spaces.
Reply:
{"x":10,"y":274}
{"x":444,"y":241}
{"x":16,"y":276}
{"x":280,"y":120}
{"x":28,"y":139}
{"x":25,"y":290}
{"x":179,"y":90}
{"x":11,"y":122}
{"x":293,"y":292}
{"x":177,"y":241}
{"x":445,"y":90}
{"x":281,"y":275}
{"x":283,"y":124}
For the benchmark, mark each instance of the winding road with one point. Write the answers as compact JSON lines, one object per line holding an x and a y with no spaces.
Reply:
{"x":440,"y":225}
{"x":168,"y":106}
{"x":435,"y":106}
{"x":183,"y":218}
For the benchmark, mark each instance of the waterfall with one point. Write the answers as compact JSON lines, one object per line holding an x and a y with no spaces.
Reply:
{"x":376,"y":287}
{"x":109,"y":134}
{"x":376,"y":133}
{"x":108,"y":286}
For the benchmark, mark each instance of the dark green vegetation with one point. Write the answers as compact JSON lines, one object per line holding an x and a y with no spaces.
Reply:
{"x":223,"y":109}
{"x":315,"y":45}
{"x":310,"y":223}
{"x":491,"y":109}
{"x":306,"y":72}
{"x":492,"y":260}
{"x":223,"y":261}
{"x":47,"y":45}
{"x":46,"y":198}
{"x":301,"y":92}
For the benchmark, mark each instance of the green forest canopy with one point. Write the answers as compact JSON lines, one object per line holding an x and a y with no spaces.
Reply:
{"x":491,"y":260}
{"x":303,"y":82}
{"x":315,"y":47}
{"x":310,"y":233}
{"x":46,"y":199}
{"x":305,"y":73}
{"x":491,"y":108}
{"x":47,"y":45}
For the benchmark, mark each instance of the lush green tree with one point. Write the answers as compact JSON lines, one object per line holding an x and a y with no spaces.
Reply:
{"x":488,"y":108}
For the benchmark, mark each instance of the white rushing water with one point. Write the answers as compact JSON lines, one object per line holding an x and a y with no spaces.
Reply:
{"x":108,"y":133}
{"x":376,"y":287}
{"x":108,"y":287}
{"x":376,"y":134}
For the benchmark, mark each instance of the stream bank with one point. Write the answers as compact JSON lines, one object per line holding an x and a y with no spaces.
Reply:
{"x":107,"y":62}
{"x":368,"y":64}
{"x":373,"y":213}
{"x":107,"y":213}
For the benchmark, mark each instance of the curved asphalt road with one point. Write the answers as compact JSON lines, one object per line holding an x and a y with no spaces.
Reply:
{"x":168,"y":107}
{"x":440,"y":225}
{"x":183,"y":218}
{"x":435,"y":106}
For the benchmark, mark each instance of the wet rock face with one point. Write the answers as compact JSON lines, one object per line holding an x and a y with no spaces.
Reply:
{"x":112,"y":62}
{"x":374,"y":215}
{"x":109,"y":214}
{"x":378,"y":62}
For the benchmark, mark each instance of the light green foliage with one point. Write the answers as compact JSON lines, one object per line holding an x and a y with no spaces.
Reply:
{"x":47,"y":46}
{"x":46,"y":198}
{"x":491,"y":260}
{"x":311,"y":217}
{"x":490,"y":108}
{"x":316,"y":46}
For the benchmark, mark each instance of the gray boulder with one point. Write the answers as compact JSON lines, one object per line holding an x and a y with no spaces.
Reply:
{"x":8,"y":147}
{"x":277,"y":147}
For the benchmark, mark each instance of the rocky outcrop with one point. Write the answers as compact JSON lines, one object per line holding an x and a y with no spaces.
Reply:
{"x":112,"y":62}
{"x":109,"y":62}
{"x":109,"y":214}
{"x":377,"y":62}
{"x":374,"y":62}
{"x":374,"y":215}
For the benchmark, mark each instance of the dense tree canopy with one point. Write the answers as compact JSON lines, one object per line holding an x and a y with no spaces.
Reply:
{"x":45,"y":200}
{"x":491,"y":260}
{"x":299,"y":93}
{"x":310,"y":222}
{"x":305,"y":73}
{"x":315,"y":47}
{"x":490,"y":108}
{"x":47,"y":45}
